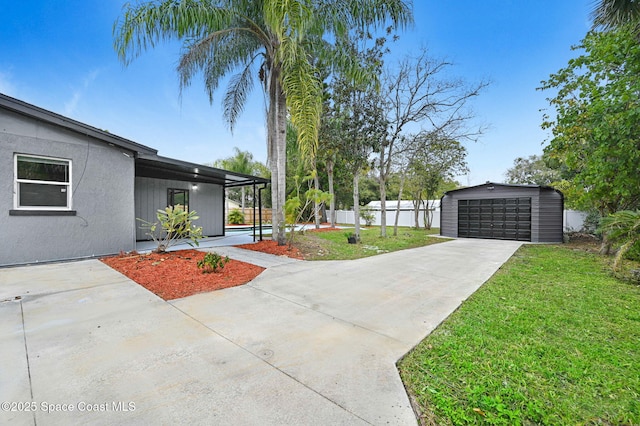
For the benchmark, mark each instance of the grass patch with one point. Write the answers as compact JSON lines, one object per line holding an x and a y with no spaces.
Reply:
{"x":551,"y":339}
{"x":332,"y":245}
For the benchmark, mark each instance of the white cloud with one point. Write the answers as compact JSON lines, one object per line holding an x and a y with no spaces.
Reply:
{"x":71,"y":105}
{"x":6,"y":86}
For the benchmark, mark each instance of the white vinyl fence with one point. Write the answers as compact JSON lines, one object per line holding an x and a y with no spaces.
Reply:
{"x":406,"y":218}
{"x":573,"y":219}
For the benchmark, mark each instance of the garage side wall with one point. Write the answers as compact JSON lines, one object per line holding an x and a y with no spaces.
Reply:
{"x":550,"y":213}
{"x":102,"y":195}
{"x":449,"y":216}
{"x":207,"y":201}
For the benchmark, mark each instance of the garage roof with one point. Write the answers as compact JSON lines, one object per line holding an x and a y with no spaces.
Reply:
{"x":493,"y":184}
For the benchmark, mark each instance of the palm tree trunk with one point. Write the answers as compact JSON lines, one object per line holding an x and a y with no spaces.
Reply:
{"x":332,"y":202}
{"x":316,"y":205}
{"x":277,"y":148}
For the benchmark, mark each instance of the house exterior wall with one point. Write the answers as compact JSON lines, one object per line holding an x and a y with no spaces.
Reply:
{"x":207,"y":201}
{"x":546,"y":209}
{"x":102,"y":195}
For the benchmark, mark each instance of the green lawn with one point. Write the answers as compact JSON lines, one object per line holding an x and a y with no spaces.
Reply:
{"x":551,"y":339}
{"x":332,"y":245}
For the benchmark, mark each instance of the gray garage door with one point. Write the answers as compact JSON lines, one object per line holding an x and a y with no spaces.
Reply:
{"x":498,"y":218}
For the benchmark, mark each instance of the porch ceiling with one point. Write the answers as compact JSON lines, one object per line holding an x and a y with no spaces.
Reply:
{"x":155,"y":166}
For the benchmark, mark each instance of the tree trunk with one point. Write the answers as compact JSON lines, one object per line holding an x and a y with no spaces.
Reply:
{"x":383,"y":196}
{"x":316,"y":205}
{"x":416,"y":212}
{"x":356,"y":204}
{"x":332,"y":202}
{"x":428,"y":216}
{"x":395,"y":222}
{"x":277,"y":141}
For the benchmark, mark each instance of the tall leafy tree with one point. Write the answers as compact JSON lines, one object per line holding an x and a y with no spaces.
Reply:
{"x":531,"y":171}
{"x":357,"y":114}
{"x":437,"y":159}
{"x":270,"y":40}
{"x":416,"y":92}
{"x":596,"y":136}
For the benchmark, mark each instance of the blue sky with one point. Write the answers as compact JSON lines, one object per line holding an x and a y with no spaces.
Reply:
{"x":59,"y":56}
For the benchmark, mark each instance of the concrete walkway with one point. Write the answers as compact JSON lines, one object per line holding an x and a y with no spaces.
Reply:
{"x":310,"y":343}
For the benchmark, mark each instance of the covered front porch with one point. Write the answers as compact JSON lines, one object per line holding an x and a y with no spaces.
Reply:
{"x":162,"y":181}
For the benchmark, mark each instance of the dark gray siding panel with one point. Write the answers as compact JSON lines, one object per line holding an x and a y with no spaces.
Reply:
{"x":551,"y":216}
{"x":449,"y":216}
{"x":102,"y":195}
{"x":206,"y":201}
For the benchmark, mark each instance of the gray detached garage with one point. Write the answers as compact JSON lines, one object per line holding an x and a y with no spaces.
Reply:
{"x":505,"y":212}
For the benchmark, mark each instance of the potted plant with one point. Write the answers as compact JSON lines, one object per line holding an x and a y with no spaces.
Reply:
{"x":351,"y":237}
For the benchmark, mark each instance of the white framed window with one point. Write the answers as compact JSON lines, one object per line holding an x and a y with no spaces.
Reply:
{"x":42,"y":183}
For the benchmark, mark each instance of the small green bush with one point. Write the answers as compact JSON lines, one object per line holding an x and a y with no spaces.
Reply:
{"x":236,"y":217}
{"x":212,"y":262}
{"x":174,"y":225}
{"x":634,"y":252}
{"x":367,"y":215}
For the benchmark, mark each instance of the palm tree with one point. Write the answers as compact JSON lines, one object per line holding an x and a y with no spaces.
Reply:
{"x":611,"y":14}
{"x":269,"y":39}
{"x":241,"y":162}
{"x":623,"y":228}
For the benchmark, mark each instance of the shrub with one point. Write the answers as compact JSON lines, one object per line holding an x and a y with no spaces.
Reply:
{"x":623,"y":229}
{"x":175,"y":225}
{"x":212,"y":262}
{"x":236,"y":217}
{"x":367,"y":215}
{"x":634,"y":252}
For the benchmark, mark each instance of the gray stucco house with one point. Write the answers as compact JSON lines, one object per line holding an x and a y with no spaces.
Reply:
{"x":500,"y":211}
{"x":69,"y":190}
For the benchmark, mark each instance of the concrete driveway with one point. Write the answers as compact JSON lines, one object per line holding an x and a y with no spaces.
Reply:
{"x":311,"y":343}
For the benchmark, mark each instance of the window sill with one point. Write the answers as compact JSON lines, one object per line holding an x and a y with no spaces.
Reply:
{"x":42,"y":212}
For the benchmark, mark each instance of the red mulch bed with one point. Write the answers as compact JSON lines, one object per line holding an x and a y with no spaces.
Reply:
{"x":272,"y":247}
{"x":176,"y":274}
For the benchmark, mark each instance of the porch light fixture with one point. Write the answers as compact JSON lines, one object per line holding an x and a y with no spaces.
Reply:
{"x":194,"y":186}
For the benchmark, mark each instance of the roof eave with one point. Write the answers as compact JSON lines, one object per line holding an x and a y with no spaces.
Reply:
{"x":41,"y":114}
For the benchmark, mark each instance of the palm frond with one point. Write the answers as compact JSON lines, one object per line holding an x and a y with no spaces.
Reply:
{"x":341,"y":16}
{"x":216,"y":56}
{"x":289,"y":18}
{"x":615,"y":13}
{"x":144,"y":25}
{"x":303,"y":92}
{"x":235,"y":98}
